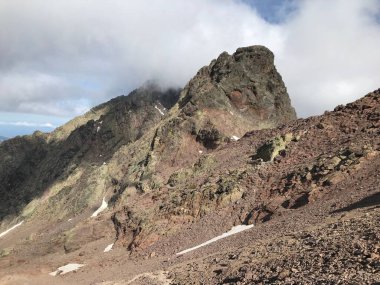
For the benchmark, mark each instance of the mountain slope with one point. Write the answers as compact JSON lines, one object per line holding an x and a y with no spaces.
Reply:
{"x":76,"y":152}
{"x":214,"y":108}
{"x":33,"y":165}
{"x":175,"y":174}
{"x":133,"y":144}
{"x":314,"y":207}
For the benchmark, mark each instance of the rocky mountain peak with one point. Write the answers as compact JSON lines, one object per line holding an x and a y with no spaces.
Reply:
{"x":244,"y":89}
{"x":247,"y":61}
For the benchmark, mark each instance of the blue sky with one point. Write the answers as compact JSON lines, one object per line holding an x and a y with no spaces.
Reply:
{"x":13,"y":124}
{"x":60,"y":58}
{"x":274,"y":11}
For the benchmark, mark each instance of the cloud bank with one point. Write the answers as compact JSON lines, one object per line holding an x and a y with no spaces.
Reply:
{"x":62,"y":57}
{"x":28,"y":124}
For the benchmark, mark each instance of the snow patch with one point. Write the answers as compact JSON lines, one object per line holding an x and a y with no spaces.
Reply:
{"x":102,"y":207}
{"x":69,"y":220}
{"x":200,"y":152}
{"x":159,"y":110}
{"x":234,"y":230}
{"x":108,"y":248}
{"x":66,"y":269}
{"x":235,"y":138}
{"x":98,"y":129}
{"x":12,"y":228}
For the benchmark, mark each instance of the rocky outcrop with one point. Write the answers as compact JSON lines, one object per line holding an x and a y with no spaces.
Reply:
{"x":127,"y":227}
{"x":273,"y":148}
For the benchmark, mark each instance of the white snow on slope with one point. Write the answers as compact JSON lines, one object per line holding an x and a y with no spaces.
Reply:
{"x":235,"y":138}
{"x":102,"y":207}
{"x":234,"y":230}
{"x":66,"y":269}
{"x":159,"y":110}
{"x":108,"y":248}
{"x":12,"y":228}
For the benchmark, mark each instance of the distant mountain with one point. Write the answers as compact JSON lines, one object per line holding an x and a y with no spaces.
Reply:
{"x":3,"y":138}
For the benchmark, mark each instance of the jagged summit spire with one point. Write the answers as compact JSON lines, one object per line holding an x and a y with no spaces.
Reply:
{"x":245,"y":83}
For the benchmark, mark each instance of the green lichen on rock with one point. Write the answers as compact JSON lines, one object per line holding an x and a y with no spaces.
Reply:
{"x":228,"y":190}
{"x":273,"y":147}
{"x":5,"y":252}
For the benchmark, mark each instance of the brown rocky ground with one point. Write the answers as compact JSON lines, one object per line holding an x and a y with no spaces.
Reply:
{"x":316,"y":245}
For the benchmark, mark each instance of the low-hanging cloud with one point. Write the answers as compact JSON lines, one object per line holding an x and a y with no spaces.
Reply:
{"x":61,"y":57}
{"x":28,"y":124}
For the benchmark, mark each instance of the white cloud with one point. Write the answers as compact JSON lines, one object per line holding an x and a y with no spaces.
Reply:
{"x":60,"y":57}
{"x":33,"y":92}
{"x":28,"y":124}
{"x":330,"y":54}
{"x":114,"y":46}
